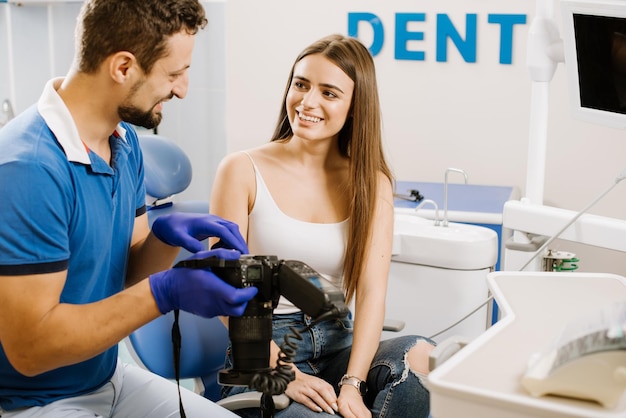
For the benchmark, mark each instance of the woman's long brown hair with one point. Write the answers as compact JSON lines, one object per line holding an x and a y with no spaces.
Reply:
{"x":360,"y":140}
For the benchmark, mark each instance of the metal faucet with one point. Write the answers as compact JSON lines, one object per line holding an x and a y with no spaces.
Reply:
{"x":432,"y":202}
{"x":445,"y":192}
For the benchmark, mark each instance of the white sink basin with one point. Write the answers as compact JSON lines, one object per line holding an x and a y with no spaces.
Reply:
{"x":459,"y":246}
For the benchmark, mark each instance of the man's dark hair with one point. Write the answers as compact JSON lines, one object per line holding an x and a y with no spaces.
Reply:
{"x":141,"y":27}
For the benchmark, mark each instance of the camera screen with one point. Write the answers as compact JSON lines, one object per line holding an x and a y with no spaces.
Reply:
{"x":253,"y":273}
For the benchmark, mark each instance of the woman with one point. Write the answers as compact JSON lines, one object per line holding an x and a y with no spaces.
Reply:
{"x":321,"y":192}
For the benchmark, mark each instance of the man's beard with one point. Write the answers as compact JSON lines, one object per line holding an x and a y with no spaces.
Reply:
{"x":139,"y":117}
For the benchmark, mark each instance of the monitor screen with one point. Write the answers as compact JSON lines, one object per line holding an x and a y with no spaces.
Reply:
{"x":594,"y":41}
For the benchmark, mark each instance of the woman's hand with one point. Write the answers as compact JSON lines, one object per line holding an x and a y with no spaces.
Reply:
{"x":351,"y":403}
{"x":313,"y":392}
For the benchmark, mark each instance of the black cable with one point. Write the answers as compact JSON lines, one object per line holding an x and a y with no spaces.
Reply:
{"x":275,"y":381}
{"x":176,"y":344}
{"x":271,"y":383}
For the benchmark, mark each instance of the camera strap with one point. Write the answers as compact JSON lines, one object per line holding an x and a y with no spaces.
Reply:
{"x":176,"y":344}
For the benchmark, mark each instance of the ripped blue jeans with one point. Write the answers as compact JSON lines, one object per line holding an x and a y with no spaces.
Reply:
{"x":393,"y":389}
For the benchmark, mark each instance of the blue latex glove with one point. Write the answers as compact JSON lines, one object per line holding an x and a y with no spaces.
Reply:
{"x":182,"y":229}
{"x":199,"y":291}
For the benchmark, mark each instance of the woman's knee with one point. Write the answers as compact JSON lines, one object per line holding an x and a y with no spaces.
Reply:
{"x":417,"y":357}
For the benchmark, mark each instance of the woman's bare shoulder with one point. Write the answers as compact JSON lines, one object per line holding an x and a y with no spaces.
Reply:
{"x":235,"y":165}
{"x":239,"y":159}
{"x":265,"y":155}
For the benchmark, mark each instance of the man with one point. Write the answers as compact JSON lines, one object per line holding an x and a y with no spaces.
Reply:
{"x":79,"y":267}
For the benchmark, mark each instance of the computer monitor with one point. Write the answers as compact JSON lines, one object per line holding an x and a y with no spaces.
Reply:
{"x":594,"y":42}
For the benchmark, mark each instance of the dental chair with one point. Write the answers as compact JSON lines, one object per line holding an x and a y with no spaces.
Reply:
{"x":204,"y":340}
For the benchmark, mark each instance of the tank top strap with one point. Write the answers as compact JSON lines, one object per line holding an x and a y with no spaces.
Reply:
{"x":256,"y":170}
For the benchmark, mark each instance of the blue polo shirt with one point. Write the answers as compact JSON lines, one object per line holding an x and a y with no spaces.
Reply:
{"x":64,"y":208}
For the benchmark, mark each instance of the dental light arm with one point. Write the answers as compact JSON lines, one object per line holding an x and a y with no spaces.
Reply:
{"x":618,"y":179}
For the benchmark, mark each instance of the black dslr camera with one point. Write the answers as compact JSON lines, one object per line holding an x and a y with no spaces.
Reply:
{"x":250,"y":334}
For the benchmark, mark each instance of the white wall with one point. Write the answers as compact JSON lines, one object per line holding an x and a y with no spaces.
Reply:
{"x":436,"y":114}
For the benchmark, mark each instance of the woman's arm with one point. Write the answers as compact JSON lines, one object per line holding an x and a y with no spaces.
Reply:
{"x":234,"y":191}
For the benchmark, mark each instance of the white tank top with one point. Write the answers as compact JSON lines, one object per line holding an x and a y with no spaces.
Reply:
{"x":272,"y":232}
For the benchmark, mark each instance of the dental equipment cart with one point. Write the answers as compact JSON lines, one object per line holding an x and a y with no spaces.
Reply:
{"x":483,"y":379}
